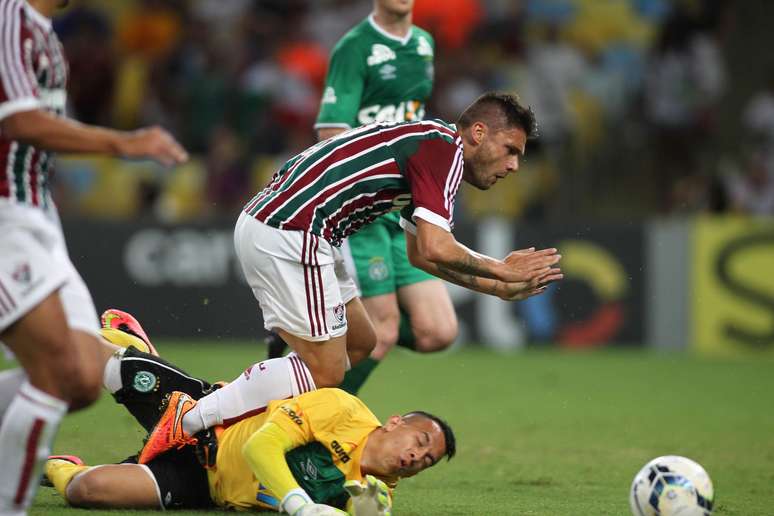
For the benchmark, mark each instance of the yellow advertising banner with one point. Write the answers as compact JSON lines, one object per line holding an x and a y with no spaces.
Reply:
{"x":733,"y":285}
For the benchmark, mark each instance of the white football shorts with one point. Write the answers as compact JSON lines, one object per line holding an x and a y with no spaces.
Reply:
{"x":298,"y":278}
{"x":34,"y":263}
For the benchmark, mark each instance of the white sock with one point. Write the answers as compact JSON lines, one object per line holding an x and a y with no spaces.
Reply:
{"x":26,"y":435}
{"x":10,"y":382}
{"x":111,"y":376}
{"x":250,"y":393}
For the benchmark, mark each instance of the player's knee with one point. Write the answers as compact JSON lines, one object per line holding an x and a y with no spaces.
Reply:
{"x":79,"y":380}
{"x":84,"y":392}
{"x":387,"y":330}
{"x":86,"y":490}
{"x":329,"y":377}
{"x":437,"y":338}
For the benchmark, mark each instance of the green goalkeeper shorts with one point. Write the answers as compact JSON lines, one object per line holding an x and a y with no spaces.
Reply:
{"x":378,"y":252}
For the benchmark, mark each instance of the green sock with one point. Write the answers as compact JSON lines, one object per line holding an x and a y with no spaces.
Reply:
{"x":356,"y":377}
{"x":405,"y":333}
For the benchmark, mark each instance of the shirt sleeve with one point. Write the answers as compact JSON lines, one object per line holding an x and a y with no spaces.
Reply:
{"x":291,"y":424}
{"x":434,"y":173}
{"x":343,"y":88}
{"x":18,"y":90}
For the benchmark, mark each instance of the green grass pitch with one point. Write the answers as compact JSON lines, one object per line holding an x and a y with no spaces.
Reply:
{"x":539,"y":433}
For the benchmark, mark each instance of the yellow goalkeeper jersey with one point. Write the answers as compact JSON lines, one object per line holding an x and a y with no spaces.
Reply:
{"x":338,"y":421}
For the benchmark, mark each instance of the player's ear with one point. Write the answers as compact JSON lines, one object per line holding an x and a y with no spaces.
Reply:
{"x":479,"y":131}
{"x":393,"y":422}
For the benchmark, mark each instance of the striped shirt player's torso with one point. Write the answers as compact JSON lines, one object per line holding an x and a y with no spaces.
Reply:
{"x":33,"y":75}
{"x":338,"y":185}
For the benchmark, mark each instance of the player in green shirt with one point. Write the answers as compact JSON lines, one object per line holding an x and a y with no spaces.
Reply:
{"x":382,"y":71}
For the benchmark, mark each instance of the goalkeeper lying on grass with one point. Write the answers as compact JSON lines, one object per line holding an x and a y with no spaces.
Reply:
{"x":309,"y":455}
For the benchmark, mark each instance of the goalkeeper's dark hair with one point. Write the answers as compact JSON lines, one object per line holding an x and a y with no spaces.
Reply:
{"x":448,"y":433}
{"x":499,"y":111}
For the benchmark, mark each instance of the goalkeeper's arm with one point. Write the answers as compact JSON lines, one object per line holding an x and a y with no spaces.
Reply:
{"x":265,"y":453}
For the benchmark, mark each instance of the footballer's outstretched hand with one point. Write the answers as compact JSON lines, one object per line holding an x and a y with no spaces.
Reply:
{"x":522,"y":290}
{"x":154,"y":143}
{"x":371,"y":497}
{"x":529,"y":265}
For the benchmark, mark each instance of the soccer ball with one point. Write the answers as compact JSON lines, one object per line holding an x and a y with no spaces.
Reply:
{"x":671,"y":486}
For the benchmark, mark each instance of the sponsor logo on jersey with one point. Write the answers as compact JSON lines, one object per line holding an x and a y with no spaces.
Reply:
{"x":329,"y":96}
{"x":424,"y":48}
{"x":379,"y":54}
{"x":292,"y":415}
{"x":387,"y":72}
{"x":409,"y":111}
{"x":144,"y":381}
{"x":309,"y":469}
{"x":339,"y":450}
{"x":377,"y":269}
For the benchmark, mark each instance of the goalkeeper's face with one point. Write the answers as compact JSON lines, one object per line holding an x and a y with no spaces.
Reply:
{"x":411,"y":444}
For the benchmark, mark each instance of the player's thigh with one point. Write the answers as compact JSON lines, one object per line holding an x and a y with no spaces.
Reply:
{"x":369,"y":259}
{"x":361,"y":334}
{"x":385,"y":316}
{"x":431,"y":312}
{"x":128,"y":486}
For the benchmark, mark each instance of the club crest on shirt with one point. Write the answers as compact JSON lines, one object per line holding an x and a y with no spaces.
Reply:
{"x":329,"y":96}
{"x":424,"y":48}
{"x":379,"y":54}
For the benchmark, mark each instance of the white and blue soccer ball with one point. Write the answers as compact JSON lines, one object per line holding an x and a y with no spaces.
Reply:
{"x":671,"y":486}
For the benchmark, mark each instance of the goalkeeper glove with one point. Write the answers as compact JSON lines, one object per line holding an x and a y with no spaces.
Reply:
{"x":298,"y":503}
{"x":371,"y":497}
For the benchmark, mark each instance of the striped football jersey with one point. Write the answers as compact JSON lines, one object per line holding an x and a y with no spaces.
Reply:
{"x":33,"y":75}
{"x":338,"y":185}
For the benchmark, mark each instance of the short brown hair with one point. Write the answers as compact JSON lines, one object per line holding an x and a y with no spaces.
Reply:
{"x":499,"y":110}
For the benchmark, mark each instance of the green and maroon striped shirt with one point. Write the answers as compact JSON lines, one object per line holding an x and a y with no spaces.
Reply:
{"x":338,"y":185}
{"x":33,"y":75}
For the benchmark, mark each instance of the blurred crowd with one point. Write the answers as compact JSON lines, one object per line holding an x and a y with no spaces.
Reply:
{"x":627,"y":93}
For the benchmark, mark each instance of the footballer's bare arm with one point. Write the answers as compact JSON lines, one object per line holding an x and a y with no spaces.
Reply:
{"x":46,"y":131}
{"x":439,"y":247}
{"x":465,"y":275}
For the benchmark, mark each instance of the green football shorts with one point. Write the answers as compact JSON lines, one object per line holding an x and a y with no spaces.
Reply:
{"x":378,"y":252}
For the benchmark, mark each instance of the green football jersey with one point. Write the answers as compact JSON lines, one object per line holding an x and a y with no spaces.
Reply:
{"x":374,"y":76}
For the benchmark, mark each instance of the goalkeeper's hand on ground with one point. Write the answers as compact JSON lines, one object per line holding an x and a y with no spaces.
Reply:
{"x":298,"y":503}
{"x":371,"y":497}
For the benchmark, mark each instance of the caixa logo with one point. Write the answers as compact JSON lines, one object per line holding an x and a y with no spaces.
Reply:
{"x":181,"y":257}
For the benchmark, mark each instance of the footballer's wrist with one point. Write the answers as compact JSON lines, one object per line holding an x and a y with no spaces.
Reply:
{"x":294,"y":500}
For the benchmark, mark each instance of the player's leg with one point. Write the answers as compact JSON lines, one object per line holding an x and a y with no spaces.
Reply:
{"x":52,"y":332}
{"x":369,"y":259}
{"x":174,"y":481}
{"x":107,"y":486}
{"x":63,"y":371}
{"x":431,"y":316}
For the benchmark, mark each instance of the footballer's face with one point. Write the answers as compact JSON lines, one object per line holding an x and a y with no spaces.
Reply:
{"x":396,"y":7}
{"x":411,"y":444}
{"x":490,"y":155}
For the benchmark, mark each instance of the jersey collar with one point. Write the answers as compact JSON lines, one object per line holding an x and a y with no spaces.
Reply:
{"x":37,"y":17}
{"x":386,"y":34}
